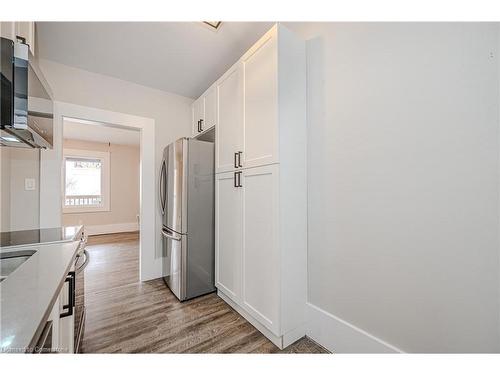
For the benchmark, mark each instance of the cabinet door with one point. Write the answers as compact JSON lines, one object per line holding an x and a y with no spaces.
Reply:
{"x":194,"y":130}
{"x":228,"y":231}
{"x":26,"y":30}
{"x":198,"y":114}
{"x":210,"y":109}
{"x":8,"y":30}
{"x":66,"y":324}
{"x":229,"y":132}
{"x":261,"y":102}
{"x":54,"y":317}
{"x":261,"y":255}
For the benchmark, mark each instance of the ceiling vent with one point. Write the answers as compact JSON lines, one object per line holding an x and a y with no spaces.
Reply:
{"x":214,"y":25}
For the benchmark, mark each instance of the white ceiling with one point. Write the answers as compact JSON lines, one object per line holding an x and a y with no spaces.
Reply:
{"x":179,"y":57}
{"x":93,"y":132}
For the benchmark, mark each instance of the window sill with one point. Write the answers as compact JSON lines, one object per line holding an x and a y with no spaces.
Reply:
{"x":84,"y":210}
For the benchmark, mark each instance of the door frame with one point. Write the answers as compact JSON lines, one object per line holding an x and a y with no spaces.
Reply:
{"x":150,"y":265}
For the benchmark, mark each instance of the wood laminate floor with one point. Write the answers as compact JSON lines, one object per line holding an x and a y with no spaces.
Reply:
{"x":127,"y":316}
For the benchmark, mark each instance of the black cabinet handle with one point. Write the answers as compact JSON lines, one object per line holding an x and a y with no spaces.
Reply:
{"x":237,"y":179}
{"x":71,"y":298}
{"x":201,"y":125}
{"x":198,"y":126}
{"x":236,"y":160}
{"x":239,"y":158}
{"x":72,"y":288}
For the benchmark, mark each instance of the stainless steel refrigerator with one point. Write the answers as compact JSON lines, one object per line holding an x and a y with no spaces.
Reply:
{"x":187,"y":205}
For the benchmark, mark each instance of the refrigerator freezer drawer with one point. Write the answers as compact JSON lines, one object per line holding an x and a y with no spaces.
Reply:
{"x":174,"y":266}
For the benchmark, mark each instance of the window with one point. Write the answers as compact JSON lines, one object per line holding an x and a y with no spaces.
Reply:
{"x":85,"y":181}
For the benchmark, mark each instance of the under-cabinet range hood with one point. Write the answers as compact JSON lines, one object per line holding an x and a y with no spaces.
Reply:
{"x":26,"y":106}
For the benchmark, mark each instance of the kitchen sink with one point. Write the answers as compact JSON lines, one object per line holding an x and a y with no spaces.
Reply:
{"x":11,"y":260}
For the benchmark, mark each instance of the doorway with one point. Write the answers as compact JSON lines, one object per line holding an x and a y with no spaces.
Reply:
{"x":100,"y":177}
{"x":101,"y":190}
{"x":150,"y":265}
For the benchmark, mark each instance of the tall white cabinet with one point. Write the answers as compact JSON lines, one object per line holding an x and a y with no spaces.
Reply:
{"x":229,"y":131}
{"x":261,"y":194}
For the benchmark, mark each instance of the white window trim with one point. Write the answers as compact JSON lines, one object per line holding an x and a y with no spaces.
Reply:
{"x":105,"y":180}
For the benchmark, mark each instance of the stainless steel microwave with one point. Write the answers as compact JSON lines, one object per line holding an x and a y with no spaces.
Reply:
{"x":26,"y":107}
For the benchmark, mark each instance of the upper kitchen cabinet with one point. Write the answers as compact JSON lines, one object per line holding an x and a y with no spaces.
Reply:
{"x":260,"y":98}
{"x":210,"y":118}
{"x":263,"y":110}
{"x":20,"y":30}
{"x":26,"y":30}
{"x":229,"y":235}
{"x":205,"y":112}
{"x":198,"y":108}
{"x":229,"y":134}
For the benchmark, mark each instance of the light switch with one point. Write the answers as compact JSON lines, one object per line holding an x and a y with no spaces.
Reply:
{"x":29,"y":184}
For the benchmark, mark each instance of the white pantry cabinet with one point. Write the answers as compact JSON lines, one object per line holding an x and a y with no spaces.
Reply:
{"x":25,"y":30}
{"x":229,"y":134}
{"x":247,"y":249}
{"x":228,"y":217}
{"x":261,"y":186}
{"x":205,"y":112}
{"x":255,"y":101}
{"x":260,"y":100}
{"x":260,"y":290}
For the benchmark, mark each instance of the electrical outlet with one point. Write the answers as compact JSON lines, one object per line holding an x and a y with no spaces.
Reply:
{"x":29,"y":184}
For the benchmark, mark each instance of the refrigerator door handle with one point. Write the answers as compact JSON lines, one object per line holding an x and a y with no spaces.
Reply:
{"x":169,"y":234}
{"x":160,"y":188}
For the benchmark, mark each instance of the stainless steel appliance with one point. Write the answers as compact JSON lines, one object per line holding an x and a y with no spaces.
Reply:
{"x":26,"y":106}
{"x":187,"y":205}
{"x":75,"y":302}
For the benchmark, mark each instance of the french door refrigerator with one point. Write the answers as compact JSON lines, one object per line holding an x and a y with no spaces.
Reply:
{"x":187,"y":205}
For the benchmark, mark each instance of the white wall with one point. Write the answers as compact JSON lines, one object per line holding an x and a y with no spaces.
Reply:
{"x":24,"y":204}
{"x":403,"y":165}
{"x":4,"y":189}
{"x":19,"y":207}
{"x":172,"y":113}
{"x":124,"y":189}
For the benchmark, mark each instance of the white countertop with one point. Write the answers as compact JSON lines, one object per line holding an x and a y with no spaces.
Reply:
{"x":28,"y":293}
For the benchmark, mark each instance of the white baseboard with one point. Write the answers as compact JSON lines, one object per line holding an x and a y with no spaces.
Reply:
{"x":92,"y":230}
{"x":276,"y":340}
{"x":294,"y":335}
{"x":339,"y":336}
